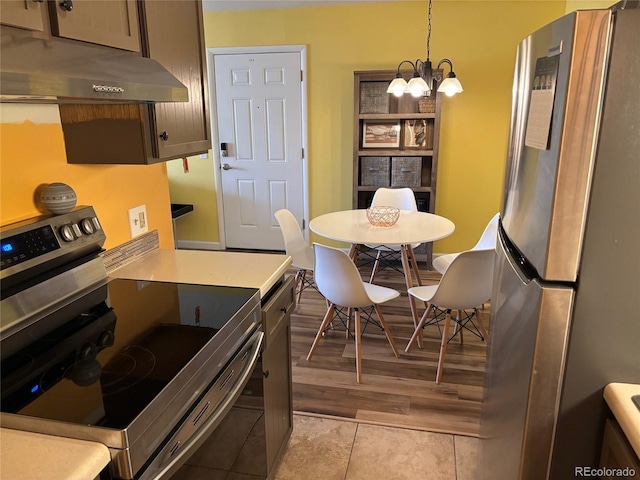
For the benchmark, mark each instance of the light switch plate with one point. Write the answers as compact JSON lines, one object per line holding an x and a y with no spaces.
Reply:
{"x":138,"y":222}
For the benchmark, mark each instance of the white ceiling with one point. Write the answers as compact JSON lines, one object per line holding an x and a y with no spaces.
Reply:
{"x":222,"y":5}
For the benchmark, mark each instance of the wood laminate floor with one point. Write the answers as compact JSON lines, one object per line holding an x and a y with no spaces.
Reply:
{"x":394,"y":391}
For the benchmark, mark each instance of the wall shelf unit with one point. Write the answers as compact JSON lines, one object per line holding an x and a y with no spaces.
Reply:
{"x":395,"y":142}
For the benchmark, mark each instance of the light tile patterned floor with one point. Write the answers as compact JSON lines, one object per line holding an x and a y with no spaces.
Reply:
{"x":328,"y":449}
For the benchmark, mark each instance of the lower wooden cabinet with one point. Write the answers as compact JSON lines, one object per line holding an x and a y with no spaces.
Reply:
{"x":618,"y":459}
{"x":276,"y":367}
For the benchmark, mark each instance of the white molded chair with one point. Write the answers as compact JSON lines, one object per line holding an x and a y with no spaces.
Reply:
{"x":338,"y":279}
{"x":464,"y":285}
{"x":487,"y":242}
{"x":404,"y":199}
{"x":297,"y":248}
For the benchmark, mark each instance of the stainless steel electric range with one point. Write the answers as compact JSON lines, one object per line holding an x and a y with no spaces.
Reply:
{"x":147,"y":368}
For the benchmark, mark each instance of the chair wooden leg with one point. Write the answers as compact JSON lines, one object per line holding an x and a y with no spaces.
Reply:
{"x":459,"y":328}
{"x":302,"y":276}
{"x":481,"y":326}
{"x":356,"y":335}
{"x":375,"y":267}
{"x":297,"y":282}
{"x":418,"y":331}
{"x":414,"y":264}
{"x":387,"y":332}
{"x":443,"y":347}
{"x":325,"y":321}
{"x":348,"y":329}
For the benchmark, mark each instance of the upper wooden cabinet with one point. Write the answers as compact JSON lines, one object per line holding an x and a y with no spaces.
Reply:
{"x":172,"y":33}
{"x":25,"y":14}
{"x":174,"y":37}
{"x":112,"y":23}
{"x":168,"y":31}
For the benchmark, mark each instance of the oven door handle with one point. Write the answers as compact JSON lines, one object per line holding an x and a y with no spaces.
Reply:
{"x":190,"y":436}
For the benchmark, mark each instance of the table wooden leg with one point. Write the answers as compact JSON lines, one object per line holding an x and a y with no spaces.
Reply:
{"x":353,"y":252}
{"x":409,"y":282}
{"x":414,"y":264}
{"x":356,"y":334}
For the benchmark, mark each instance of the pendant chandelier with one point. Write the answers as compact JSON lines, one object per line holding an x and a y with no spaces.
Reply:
{"x":422,"y":79}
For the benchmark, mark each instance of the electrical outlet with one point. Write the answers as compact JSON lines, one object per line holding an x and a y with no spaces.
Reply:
{"x":138,"y":222}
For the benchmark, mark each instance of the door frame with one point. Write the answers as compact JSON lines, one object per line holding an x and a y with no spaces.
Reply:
{"x":213,"y":101}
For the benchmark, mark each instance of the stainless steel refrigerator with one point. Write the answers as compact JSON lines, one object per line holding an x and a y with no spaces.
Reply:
{"x":565,"y":317}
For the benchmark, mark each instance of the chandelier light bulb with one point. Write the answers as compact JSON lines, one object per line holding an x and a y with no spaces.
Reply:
{"x":450,"y":86}
{"x":417,"y":87}
{"x":397,"y":86}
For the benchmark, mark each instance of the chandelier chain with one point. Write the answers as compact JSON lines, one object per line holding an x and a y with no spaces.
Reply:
{"x":429,"y":32}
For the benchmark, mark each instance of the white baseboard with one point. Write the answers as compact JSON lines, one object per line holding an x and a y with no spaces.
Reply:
{"x":195,"y":245}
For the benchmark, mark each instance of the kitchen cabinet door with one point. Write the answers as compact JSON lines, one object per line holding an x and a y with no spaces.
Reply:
{"x":174,"y":36}
{"x":276,"y":366}
{"x":24,"y":14}
{"x":278,"y":406}
{"x":112,"y":23}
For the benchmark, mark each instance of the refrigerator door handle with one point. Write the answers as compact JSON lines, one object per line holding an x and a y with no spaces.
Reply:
{"x":513,"y":258}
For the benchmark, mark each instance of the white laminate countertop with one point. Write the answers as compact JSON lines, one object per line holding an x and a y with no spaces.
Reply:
{"x":30,"y":456}
{"x":232,"y":269}
{"x":618,"y":397}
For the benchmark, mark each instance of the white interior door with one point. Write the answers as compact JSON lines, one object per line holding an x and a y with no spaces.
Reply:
{"x":260,"y":119}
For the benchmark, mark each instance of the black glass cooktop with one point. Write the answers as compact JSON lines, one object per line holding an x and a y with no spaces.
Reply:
{"x":104,"y":366}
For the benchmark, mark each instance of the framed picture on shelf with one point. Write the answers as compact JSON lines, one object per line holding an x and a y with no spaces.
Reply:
{"x":380,"y":134}
{"x":415,"y":134}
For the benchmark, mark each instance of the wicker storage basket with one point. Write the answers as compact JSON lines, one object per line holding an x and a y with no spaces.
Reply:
{"x":427,"y":105}
{"x":374,"y":171}
{"x":406,"y":171}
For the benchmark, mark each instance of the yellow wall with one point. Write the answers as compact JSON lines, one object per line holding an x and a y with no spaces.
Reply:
{"x":573,"y":5}
{"x":480,"y":37}
{"x":32,"y":153}
{"x":196,"y":187}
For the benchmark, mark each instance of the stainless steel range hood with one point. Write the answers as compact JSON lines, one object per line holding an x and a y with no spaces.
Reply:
{"x":34,"y":70}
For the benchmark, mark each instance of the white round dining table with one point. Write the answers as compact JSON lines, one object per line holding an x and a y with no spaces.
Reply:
{"x":352,"y":226}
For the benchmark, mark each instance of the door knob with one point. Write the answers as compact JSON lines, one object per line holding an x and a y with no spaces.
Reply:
{"x":67,"y":5}
{"x":226,"y":166}
{"x":164,"y":136}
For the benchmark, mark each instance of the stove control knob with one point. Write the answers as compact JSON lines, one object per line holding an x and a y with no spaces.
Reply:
{"x":88,"y":350}
{"x":66,"y":232}
{"x":105,"y":339}
{"x":96,"y":224}
{"x":86,"y":225}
